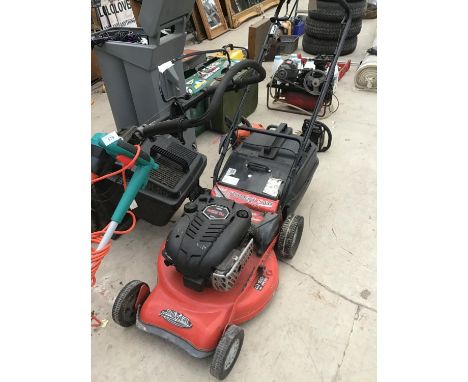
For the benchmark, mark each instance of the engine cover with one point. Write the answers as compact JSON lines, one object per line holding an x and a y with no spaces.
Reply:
{"x":210,"y":229}
{"x":287,"y":71}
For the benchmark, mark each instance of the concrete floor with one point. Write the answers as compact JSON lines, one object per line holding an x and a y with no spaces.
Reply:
{"x":321,"y":325}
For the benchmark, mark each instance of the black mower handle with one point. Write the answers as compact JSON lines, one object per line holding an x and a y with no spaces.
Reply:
{"x":345,"y":5}
{"x":228,"y":81}
{"x":275,"y":18}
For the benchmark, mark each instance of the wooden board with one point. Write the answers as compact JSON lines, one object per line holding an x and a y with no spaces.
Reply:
{"x":257,"y":34}
{"x":198,"y":24}
{"x":95,"y":27}
{"x":136,"y":7}
{"x":95,"y":71}
{"x":95,"y":21}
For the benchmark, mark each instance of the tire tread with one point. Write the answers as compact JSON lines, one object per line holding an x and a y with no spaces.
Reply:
{"x":316,"y":46}
{"x":334,"y":12}
{"x":217,"y":364}
{"x":121,"y":299}
{"x":329,"y":30}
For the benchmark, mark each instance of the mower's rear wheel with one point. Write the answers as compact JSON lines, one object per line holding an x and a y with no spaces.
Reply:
{"x":227,"y":352}
{"x":124,"y":310}
{"x":290,"y":236}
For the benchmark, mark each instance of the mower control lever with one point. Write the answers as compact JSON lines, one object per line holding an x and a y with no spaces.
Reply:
{"x":258,"y":167}
{"x":277,"y":11}
{"x":277,"y":19}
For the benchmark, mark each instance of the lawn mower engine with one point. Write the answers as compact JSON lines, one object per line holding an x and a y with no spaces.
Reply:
{"x":210,"y":245}
{"x":298,"y":82}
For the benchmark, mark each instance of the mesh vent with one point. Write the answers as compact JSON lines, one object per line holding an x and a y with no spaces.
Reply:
{"x":176,"y":153}
{"x":166,"y":175}
{"x":182,"y":152}
{"x":224,"y":281}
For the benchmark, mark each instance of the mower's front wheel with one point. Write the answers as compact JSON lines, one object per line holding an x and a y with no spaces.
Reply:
{"x":125,"y":307}
{"x":290,"y":236}
{"x":227,"y":351}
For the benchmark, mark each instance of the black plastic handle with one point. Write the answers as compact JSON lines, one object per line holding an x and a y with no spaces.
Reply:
{"x":284,"y":18}
{"x":132,"y":149}
{"x":254,"y":166}
{"x":275,"y":19}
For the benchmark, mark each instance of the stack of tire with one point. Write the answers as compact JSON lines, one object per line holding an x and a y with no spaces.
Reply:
{"x":323,"y":26}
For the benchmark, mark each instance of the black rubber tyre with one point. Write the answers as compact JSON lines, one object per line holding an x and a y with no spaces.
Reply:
{"x":227,"y":352}
{"x":124,"y":311}
{"x":316,"y":46}
{"x":334,"y":12}
{"x":328,"y":30}
{"x":290,"y":236}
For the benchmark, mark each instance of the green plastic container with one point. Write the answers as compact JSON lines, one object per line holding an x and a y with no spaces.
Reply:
{"x":231,"y":103}
{"x":196,"y":112}
{"x":230,"y":100}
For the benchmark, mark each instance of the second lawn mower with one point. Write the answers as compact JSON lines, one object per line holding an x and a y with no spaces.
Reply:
{"x":219,"y":265}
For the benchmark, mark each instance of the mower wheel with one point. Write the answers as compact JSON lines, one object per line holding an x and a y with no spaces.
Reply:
{"x":329,"y":30}
{"x":124,"y":310}
{"x":226,"y":352}
{"x":332,"y":11}
{"x":290,"y":236}
{"x":316,"y":46}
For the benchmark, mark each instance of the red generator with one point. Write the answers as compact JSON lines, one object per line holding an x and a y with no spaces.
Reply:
{"x":298,"y":81}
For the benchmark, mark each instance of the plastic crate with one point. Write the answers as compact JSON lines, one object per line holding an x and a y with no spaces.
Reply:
{"x":287,"y":44}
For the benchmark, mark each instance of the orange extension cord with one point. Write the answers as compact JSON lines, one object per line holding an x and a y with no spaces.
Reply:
{"x":96,"y":237}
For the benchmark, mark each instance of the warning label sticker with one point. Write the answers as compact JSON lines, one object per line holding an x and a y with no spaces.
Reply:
{"x":272,"y":187}
{"x":231,"y":171}
{"x":230,"y":179}
{"x":110,"y":138}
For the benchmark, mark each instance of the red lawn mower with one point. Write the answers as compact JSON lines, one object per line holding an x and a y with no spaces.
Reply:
{"x":219,"y":265}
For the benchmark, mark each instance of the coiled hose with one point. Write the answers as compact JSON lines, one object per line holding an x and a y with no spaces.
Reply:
{"x":366,"y":74}
{"x":98,"y":255}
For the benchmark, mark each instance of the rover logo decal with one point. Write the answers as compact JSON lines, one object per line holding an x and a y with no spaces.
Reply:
{"x":262,"y":280}
{"x":248,"y":198}
{"x":175,"y":318}
{"x":214,"y":212}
